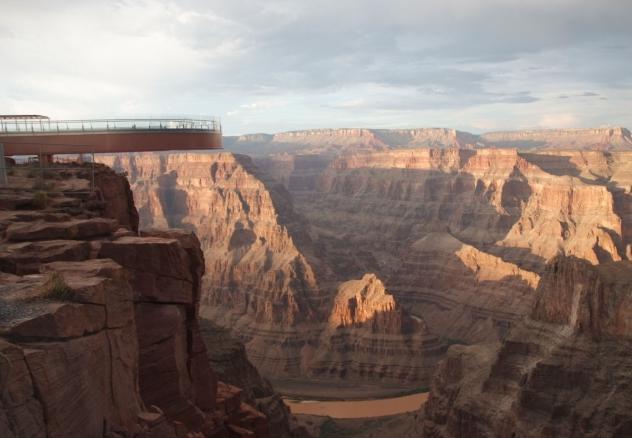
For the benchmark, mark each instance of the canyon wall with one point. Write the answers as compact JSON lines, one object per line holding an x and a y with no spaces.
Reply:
{"x":563,"y":372}
{"x":460,"y":237}
{"x":99,"y":332}
{"x":259,"y":283}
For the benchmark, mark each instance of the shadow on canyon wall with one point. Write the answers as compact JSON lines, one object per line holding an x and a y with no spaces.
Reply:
{"x":394,"y":209}
{"x":173,"y":201}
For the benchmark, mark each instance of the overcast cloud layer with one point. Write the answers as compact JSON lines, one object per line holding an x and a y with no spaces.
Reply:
{"x":268,"y":66}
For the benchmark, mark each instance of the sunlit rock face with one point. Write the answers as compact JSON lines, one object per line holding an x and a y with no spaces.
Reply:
{"x":564,"y":371}
{"x":369,"y":335}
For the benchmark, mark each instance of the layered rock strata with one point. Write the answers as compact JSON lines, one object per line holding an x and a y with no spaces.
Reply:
{"x":267,"y":279}
{"x":98,"y":326}
{"x":563,"y":372}
{"x":370,"y":336}
{"x":461,"y":236}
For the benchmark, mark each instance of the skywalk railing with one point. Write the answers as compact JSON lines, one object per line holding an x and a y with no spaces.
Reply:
{"x":27,"y":126}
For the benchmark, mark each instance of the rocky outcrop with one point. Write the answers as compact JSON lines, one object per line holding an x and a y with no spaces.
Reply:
{"x":117,"y":195}
{"x":230,"y":362}
{"x":562,"y":372}
{"x":370,"y":336}
{"x":98,"y":326}
{"x":365,"y":303}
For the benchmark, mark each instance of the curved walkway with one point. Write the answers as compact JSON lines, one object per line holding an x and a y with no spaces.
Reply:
{"x":50,"y":137}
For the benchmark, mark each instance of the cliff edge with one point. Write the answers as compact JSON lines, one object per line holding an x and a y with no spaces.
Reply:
{"x":99,"y":333}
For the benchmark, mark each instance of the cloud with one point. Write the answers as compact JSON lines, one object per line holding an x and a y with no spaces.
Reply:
{"x":555,"y":120}
{"x":360,"y":62}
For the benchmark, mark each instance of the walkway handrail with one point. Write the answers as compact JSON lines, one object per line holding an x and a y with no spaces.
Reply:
{"x":108,"y":125}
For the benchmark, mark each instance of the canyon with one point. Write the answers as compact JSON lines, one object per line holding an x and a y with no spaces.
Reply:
{"x":344,"y":261}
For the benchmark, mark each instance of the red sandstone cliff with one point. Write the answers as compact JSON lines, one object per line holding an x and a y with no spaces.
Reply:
{"x":459,"y":238}
{"x":98,"y":326}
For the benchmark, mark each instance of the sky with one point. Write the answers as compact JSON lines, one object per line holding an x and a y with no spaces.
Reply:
{"x":272,"y":65}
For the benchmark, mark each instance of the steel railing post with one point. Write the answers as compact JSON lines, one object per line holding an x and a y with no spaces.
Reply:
{"x":92,"y":188}
{"x":4,"y":179}
{"x":41,"y":166}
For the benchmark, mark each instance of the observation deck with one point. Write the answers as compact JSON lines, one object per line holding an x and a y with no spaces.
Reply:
{"x":38,"y":135}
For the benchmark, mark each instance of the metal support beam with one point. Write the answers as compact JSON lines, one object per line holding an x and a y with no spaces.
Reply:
{"x":4,"y":181}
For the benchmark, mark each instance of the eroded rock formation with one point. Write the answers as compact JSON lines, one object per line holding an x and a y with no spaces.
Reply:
{"x":370,"y":336}
{"x":563,"y":372}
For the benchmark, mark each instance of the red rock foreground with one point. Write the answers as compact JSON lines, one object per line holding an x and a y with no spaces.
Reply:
{"x":98,"y":326}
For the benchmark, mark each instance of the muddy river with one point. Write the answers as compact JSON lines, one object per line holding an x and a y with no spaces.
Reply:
{"x":358,"y":408}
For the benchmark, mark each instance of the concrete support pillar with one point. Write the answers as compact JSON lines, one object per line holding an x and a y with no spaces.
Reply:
{"x":46,"y":160}
{"x":4,"y":181}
